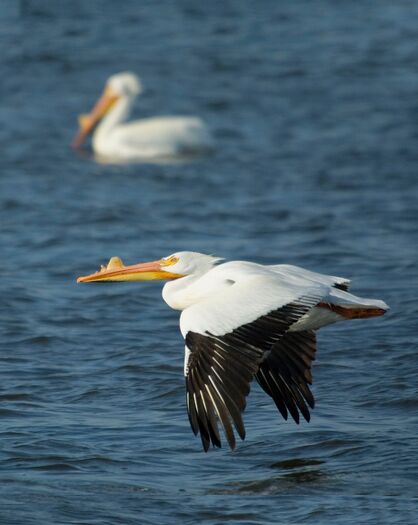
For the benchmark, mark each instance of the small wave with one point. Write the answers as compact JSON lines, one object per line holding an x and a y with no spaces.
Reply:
{"x":409,"y":403}
{"x":55,"y":467}
{"x":16,"y":397}
{"x":7,"y":412}
{"x":296,"y":463}
{"x":273,"y":485}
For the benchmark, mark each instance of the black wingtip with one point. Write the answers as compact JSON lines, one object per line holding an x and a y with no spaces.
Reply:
{"x":205,"y":442}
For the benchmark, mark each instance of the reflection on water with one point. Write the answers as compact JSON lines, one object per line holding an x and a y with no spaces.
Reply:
{"x":302,"y":472}
{"x":184,"y":158}
{"x":289,"y":464}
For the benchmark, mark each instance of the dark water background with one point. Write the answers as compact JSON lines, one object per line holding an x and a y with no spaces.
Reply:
{"x":314,"y":106}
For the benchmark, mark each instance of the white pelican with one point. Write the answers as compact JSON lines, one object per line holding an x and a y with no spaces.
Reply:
{"x":150,"y":138}
{"x":242,"y":320}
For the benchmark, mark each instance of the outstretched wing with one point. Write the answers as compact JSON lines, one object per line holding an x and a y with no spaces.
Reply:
{"x":285,"y":374}
{"x":222,"y":359}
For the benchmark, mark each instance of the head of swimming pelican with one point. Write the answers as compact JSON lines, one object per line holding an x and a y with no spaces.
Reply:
{"x":122,"y":85}
{"x":125,"y":84}
{"x":174,"y":266}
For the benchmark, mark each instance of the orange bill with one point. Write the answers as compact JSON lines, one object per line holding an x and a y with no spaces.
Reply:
{"x":117,"y":271}
{"x":88,"y":122}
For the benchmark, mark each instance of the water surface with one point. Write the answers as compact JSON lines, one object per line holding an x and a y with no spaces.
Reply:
{"x":315,"y":113}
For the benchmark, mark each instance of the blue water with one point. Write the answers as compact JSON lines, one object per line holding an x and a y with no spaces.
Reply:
{"x":314,"y":107}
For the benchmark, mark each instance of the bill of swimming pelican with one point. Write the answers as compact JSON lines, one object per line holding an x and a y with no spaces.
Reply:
{"x":88,"y":122}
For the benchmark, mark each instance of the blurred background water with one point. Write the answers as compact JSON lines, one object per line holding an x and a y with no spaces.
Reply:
{"x":314,"y":108}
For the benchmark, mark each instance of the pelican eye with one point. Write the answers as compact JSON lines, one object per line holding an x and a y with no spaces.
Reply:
{"x":170,"y":261}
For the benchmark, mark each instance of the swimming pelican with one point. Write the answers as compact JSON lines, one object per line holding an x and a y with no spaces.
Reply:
{"x":242,"y":320}
{"x":149,"y":138}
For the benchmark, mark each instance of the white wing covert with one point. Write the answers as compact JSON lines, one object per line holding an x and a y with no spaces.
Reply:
{"x":286,"y":270}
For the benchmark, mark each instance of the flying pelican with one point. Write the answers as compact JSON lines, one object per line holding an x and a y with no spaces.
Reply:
{"x":242,"y":320}
{"x":144,"y":139}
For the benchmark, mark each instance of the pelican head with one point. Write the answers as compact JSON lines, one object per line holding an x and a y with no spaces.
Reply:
{"x":124,"y":85}
{"x":175,"y":266}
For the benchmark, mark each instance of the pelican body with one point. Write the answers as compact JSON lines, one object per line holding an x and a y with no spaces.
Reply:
{"x":150,"y":138}
{"x":241,"y":320}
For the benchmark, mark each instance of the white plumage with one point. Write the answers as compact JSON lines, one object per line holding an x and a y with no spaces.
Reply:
{"x":241,"y":321}
{"x":116,"y":140}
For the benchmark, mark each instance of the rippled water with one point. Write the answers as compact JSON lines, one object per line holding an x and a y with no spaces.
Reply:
{"x":315,"y":111}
